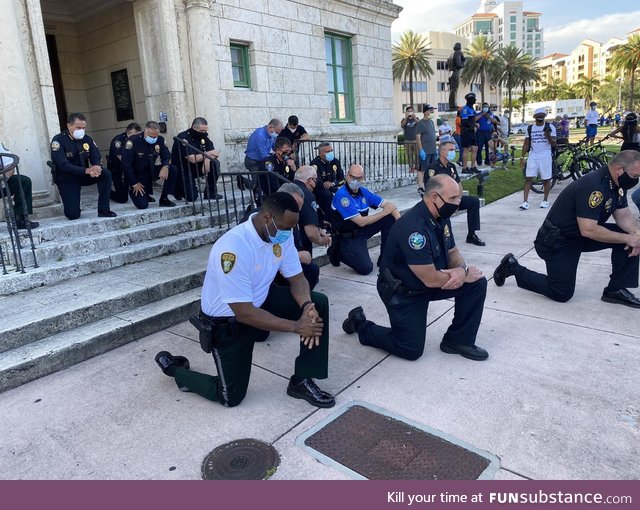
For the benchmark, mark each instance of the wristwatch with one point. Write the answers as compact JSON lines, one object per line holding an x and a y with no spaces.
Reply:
{"x":466,"y":270}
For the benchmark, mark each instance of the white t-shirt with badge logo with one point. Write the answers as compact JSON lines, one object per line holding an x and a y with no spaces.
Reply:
{"x":540,"y":146}
{"x":242,"y":267}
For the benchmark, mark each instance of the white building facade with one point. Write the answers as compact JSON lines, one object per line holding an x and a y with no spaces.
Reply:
{"x":237,"y":63}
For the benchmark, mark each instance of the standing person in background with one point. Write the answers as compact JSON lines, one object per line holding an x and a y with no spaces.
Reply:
{"x":486,"y":125}
{"x":591,"y":123}
{"x":456,"y":135}
{"x":426,"y":141}
{"x":408,"y":125}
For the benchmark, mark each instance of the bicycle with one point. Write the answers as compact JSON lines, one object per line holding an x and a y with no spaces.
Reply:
{"x":567,"y":162}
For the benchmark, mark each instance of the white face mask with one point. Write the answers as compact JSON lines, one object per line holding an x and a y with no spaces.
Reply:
{"x":78,"y":134}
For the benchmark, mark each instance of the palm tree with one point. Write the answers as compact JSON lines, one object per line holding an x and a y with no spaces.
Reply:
{"x":567,"y":91}
{"x":626,"y":58}
{"x":480,"y":63}
{"x":552,"y":90}
{"x":529,"y":73}
{"x":510,"y":63}
{"x":411,"y":58}
{"x":587,"y":87}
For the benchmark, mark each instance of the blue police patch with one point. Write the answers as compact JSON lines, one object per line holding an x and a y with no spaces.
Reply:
{"x":417,"y":241}
{"x":344,"y":202}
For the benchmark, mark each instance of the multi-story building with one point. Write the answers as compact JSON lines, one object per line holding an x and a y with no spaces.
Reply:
{"x":236,"y":63}
{"x":435,"y":89}
{"x":507,"y":23}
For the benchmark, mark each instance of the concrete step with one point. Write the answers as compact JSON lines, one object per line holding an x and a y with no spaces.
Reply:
{"x":74,"y":303}
{"x":37,"y":359}
{"x":105,"y":261}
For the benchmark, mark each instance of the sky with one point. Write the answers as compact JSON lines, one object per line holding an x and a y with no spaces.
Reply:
{"x":565,"y":22}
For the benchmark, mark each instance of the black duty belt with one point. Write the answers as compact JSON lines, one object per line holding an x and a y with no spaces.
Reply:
{"x":219,"y":320}
{"x":349,"y":235}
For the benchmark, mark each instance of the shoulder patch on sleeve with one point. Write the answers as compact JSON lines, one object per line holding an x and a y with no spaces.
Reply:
{"x":595,"y":199}
{"x":432,"y":172}
{"x":118,"y":144}
{"x":344,"y":202}
{"x":55,"y":145}
{"x":417,"y":241}
{"x":227,"y":261}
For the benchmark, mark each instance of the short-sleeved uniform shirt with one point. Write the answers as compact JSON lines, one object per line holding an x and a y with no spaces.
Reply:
{"x":242,"y":267}
{"x":591,"y":117}
{"x":438,"y":168}
{"x":273,"y":164}
{"x":179,"y":152}
{"x":348,"y":205}
{"x":294,"y":135}
{"x":140,"y":157}
{"x":594,"y":196}
{"x":540,"y":146}
{"x":115,"y":149}
{"x":73,"y":156}
{"x":427,"y":132}
{"x":417,"y":238}
{"x":329,"y":171}
{"x":308,"y":215}
{"x":467,"y":126}
{"x":485,"y":123}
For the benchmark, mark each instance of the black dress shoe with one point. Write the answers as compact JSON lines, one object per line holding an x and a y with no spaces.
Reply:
{"x":505,"y":269}
{"x":106,"y":214}
{"x":165,"y":202}
{"x":217,"y":196}
{"x":334,"y":255}
{"x":354,"y":319}
{"x":467,"y":171}
{"x":474,"y":239}
{"x":23,"y":223}
{"x":308,"y":390}
{"x":150,"y":199}
{"x":620,"y":297}
{"x":472,"y":352}
{"x":168,"y":363}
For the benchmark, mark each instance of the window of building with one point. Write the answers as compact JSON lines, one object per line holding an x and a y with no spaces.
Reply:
{"x":418,"y":86}
{"x":443,"y":107}
{"x":532,"y":24}
{"x":442,"y":65}
{"x":512,"y":19}
{"x":240,"y":65}
{"x":339,"y":77}
{"x":560,"y":110}
{"x":442,"y":86}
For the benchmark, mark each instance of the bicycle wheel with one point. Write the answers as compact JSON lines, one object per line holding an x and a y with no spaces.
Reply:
{"x":537,"y":186}
{"x":583,"y":165}
{"x":563,"y":163}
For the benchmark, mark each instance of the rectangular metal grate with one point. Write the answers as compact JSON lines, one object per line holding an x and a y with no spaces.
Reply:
{"x":379,"y":447}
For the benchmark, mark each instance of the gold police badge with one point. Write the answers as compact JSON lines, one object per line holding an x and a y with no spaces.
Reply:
{"x":447,"y":233}
{"x":128,"y":145}
{"x":620,"y":192}
{"x":202,"y":141}
{"x":595,"y":199}
{"x":277,"y":250}
{"x":227,"y":261}
{"x":85,"y":146}
{"x":157,"y":148}
{"x":334,"y":168}
{"x":432,"y":172}
{"x":55,"y":146}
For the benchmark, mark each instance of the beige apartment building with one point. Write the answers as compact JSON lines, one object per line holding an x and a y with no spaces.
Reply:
{"x":236,"y":62}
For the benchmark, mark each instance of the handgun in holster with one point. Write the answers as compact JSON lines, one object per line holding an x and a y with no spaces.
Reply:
{"x":550,"y":233}
{"x":387,"y":285}
{"x":206,"y":332}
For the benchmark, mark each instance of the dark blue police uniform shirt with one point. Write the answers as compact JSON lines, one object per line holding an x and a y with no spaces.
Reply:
{"x":308,"y":215}
{"x":467,"y":116}
{"x":416,"y":239}
{"x":73,"y":156}
{"x":594,"y":196}
{"x":179,"y":152}
{"x":438,"y":168}
{"x":140,"y":157}
{"x":115,"y":150}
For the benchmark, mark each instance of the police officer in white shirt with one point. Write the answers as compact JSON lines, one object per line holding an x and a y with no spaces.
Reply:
{"x":240,"y":306}
{"x":591,"y":123}
{"x":539,"y":141}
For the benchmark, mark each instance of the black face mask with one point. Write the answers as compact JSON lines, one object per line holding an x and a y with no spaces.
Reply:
{"x":447,"y":209}
{"x":539,"y":121}
{"x":198,"y":134}
{"x":625,"y":181}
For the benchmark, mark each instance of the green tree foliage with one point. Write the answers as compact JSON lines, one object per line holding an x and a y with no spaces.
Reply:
{"x":410,"y":57}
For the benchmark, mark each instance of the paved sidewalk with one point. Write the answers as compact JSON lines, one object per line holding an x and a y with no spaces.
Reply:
{"x":557,"y":399}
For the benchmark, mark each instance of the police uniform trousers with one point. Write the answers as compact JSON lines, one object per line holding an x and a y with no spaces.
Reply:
{"x":408,"y":318}
{"x":472,"y":206}
{"x":483,"y":137}
{"x":69,"y":186}
{"x":187,"y":185}
{"x":168,"y":188}
{"x":354,"y":251}
{"x":562,"y":264}
{"x":19,"y":187}
{"x":119,"y":193}
{"x":233,"y":353}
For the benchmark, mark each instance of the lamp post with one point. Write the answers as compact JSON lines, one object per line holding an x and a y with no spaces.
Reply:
{"x":619,"y":93}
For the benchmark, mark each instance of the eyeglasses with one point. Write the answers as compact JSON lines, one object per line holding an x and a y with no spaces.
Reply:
{"x":359,"y":179}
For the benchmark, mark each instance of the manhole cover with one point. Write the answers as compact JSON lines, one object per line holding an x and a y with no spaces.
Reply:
{"x":244,"y":459}
{"x":380,"y":447}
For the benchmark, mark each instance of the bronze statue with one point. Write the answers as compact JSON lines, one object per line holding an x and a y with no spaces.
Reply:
{"x":456,"y":63}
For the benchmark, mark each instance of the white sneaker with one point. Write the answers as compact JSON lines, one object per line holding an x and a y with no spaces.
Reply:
{"x":524,"y":206}
{"x":544,"y":204}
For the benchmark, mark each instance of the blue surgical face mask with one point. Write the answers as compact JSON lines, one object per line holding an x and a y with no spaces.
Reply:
{"x":150,"y":140}
{"x":485,"y":109}
{"x":329,"y":156}
{"x":274,"y":135}
{"x":451,"y":155}
{"x":281,"y":236}
{"x":354,"y":185}
{"x":78,"y":134}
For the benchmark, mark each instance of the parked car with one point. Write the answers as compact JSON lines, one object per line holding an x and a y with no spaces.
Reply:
{"x":519,"y":129}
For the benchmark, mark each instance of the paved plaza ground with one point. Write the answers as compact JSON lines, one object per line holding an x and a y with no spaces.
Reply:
{"x":558,"y":397}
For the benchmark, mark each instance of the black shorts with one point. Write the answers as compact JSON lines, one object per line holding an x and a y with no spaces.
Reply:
{"x":468,"y":139}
